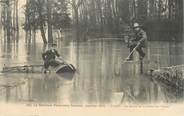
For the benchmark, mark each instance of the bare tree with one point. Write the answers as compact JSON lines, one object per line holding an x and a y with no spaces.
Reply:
{"x":50,"y":37}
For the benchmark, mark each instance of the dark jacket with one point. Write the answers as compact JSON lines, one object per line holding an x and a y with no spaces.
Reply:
{"x":141,"y":37}
{"x":50,"y":55}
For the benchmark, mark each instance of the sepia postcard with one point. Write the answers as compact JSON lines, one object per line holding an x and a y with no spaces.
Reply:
{"x":91,"y":57}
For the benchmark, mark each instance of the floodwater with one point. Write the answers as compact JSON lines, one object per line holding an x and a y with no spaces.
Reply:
{"x":101,"y":78}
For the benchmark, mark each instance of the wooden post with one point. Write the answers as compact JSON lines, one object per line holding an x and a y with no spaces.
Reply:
{"x":141,"y":66}
{"x":182,"y":19}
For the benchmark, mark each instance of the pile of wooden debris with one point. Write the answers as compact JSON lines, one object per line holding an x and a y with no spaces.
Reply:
{"x":170,"y":76}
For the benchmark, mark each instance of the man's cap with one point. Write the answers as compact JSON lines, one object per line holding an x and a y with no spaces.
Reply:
{"x":135,"y":25}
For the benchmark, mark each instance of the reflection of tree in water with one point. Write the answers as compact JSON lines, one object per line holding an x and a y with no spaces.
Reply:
{"x":145,"y":91}
{"x":172,"y":94}
{"x":139,"y":89}
{"x":45,"y":89}
{"x":11,"y":90}
{"x":31,"y":46}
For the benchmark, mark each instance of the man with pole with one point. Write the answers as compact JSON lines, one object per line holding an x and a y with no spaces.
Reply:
{"x":138,"y":42}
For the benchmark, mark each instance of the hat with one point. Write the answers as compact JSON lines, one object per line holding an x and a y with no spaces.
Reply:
{"x":136,"y":25}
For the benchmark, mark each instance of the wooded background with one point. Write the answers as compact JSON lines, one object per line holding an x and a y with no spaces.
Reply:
{"x":162,"y":19}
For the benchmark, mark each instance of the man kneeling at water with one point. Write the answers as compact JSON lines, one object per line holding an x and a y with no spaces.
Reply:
{"x":49,"y":57}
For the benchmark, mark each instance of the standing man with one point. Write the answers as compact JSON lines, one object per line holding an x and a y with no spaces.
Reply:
{"x":138,"y":42}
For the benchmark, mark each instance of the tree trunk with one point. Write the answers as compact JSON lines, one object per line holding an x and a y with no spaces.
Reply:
{"x":50,"y":37}
{"x":43,"y":33}
{"x":14,"y":21}
{"x":17,"y":21}
{"x":77,"y":23}
{"x":42,"y":26}
{"x":8,"y":21}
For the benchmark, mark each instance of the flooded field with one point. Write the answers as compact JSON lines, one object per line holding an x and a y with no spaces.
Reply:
{"x":101,"y":77}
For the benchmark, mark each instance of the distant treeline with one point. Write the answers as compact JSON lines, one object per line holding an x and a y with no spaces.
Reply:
{"x":51,"y":16}
{"x":162,"y":19}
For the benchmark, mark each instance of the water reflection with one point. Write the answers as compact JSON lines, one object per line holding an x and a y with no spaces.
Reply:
{"x":103,"y":78}
{"x":45,"y":89}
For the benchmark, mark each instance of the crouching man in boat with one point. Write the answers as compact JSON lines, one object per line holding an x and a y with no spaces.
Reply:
{"x":138,"y":42}
{"x":49,"y":57}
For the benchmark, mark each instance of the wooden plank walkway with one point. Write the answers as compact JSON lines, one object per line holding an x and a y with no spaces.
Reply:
{"x":23,"y":69}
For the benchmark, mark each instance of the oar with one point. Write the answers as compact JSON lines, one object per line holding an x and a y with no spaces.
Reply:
{"x":131,"y":53}
{"x":68,"y":64}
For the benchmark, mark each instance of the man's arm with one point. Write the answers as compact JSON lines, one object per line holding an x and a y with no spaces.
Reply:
{"x":56,"y":53}
{"x":144,"y":37}
{"x":43,"y":56}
